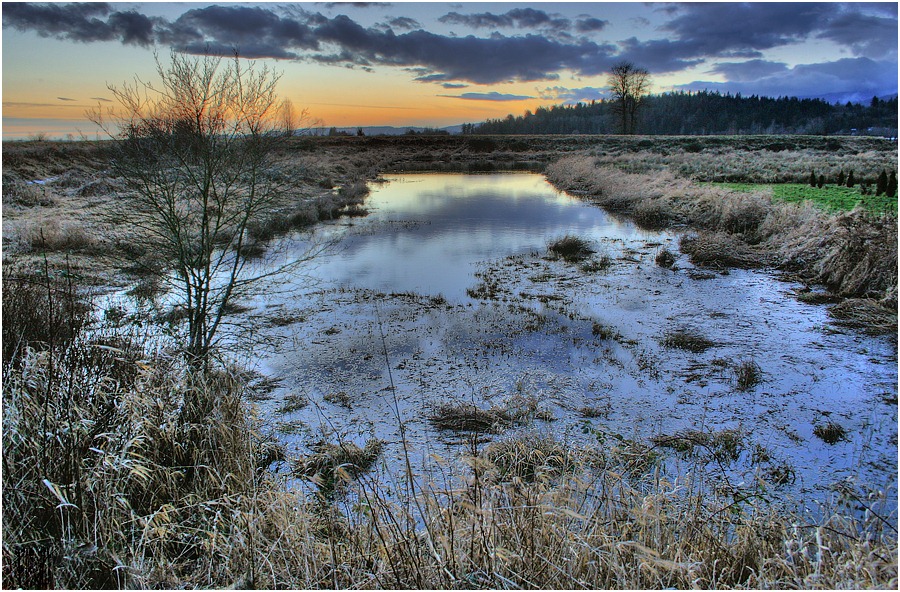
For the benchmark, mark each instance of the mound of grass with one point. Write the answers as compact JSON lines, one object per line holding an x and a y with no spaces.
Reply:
{"x":597,"y":264}
{"x":469,"y":418}
{"x":865,"y":314}
{"x":747,"y":374}
{"x":687,"y":340}
{"x":718,"y":250}
{"x":604,"y":331}
{"x":571,"y":248}
{"x":331,"y":465}
{"x":724,"y":445}
{"x":831,"y":432}
{"x":665,"y":258}
{"x":653,"y":214}
{"x":529,"y":457}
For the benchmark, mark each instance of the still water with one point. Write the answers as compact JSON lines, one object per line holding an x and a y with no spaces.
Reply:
{"x":403,"y":273}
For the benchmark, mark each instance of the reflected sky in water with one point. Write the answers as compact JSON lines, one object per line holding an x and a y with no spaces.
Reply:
{"x":426,"y":233}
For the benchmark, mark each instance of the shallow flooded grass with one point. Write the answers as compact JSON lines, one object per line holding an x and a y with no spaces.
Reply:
{"x":572,"y":249}
{"x":688,"y":340}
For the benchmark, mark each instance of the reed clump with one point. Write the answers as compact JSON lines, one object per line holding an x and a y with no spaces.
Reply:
{"x":687,"y":340}
{"x":465,"y":417}
{"x":570,"y":248}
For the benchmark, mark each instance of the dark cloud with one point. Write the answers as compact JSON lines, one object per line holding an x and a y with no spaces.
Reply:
{"x":257,"y":32}
{"x":749,"y":70}
{"x":488,"y":96}
{"x":356,"y":4}
{"x":449,"y":85}
{"x":694,"y":33}
{"x":746,"y":29}
{"x":65,"y":99}
{"x":522,"y":18}
{"x":79,"y":22}
{"x":661,"y":55}
{"x":101,"y":99}
{"x":857,"y":76}
{"x":866,"y":35}
{"x":405,"y":23}
{"x":590,"y":25}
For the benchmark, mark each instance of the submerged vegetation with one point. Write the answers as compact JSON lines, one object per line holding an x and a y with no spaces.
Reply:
{"x":110,"y":480}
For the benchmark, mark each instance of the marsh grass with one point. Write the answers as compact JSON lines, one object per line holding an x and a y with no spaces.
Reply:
{"x":687,"y":340}
{"x":107,"y":483}
{"x":123,"y":494}
{"x":866,"y":314}
{"x":465,"y":417}
{"x":665,"y":258}
{"x":747,"y":375}
{"x":530,"y":457}
{"x":830,"y":432}
{"x":854,"y":254}
{"x":571,"y":249}
{"x":725,"y":445}
{"x":332,"y":465}
{"x":597,"y":264}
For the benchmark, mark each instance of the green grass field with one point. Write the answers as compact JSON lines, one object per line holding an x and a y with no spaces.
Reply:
{"x":833,"y":198}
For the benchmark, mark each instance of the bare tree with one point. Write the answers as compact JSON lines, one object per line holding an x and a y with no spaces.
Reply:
{"x":196,"y":151}
{"x":295,"y":122}
{"x":628,"y":85}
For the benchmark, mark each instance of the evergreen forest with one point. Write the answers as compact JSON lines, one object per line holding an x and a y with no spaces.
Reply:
{"x":706,"y":113}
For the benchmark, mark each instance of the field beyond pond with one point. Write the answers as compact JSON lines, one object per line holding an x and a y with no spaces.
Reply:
{"x":631,"y":363}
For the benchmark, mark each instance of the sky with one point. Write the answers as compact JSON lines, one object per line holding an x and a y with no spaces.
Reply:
{"x":440,"y":64}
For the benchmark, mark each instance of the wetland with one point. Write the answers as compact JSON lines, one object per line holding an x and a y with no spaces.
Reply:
{"x":453,"y":271}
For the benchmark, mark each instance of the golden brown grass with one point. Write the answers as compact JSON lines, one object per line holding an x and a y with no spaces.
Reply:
{"x":109,"y":482}
{"x":104,"y":486}
{"x":854,"y":253}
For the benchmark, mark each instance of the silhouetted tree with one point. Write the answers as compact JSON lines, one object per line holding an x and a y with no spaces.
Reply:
{"x":821,"y":182}
{"x":628,"y":85}
{"x":851,"y":181}
{"x":841,"y":179}
{"x":813,"y":180}
{"x":892,"y":185}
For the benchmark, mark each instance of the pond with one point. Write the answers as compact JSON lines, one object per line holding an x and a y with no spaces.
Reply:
{"x":446,"y":291}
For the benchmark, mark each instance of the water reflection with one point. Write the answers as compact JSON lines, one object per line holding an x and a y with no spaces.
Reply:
{"x":427,"y":232}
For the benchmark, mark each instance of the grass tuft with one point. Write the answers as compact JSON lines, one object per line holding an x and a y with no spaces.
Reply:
{"x":831,"y":432}
{"x":665,"y":258}
{"x":466,"y":417}
{"x":570,"y":248}
{"x":747,"y":374}
{"x":687,"y":340}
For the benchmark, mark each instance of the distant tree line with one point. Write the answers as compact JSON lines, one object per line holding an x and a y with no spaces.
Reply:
{"x":705,"y":113}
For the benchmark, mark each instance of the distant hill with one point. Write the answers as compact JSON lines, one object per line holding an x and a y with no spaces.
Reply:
{"x":705,"y":113}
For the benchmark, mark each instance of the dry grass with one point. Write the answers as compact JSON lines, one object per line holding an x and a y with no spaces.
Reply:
{"x":665,"y":258}
{"x":109,"y":483}
{"x":570,"y":248}
{"x":719,"y":250}
{"x":866,"y":314}
{"x":854,"y":254}
{"x":124,"y":493}
{"x":747,"y":374}
{"x":687,"y":340}
{"x":469,"y":418}
{"x":830,"y":432}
